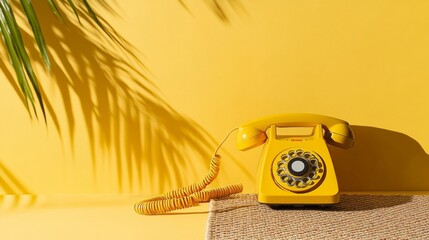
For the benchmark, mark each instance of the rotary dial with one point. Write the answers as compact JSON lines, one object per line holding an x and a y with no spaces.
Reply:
{"x":298,"y":170}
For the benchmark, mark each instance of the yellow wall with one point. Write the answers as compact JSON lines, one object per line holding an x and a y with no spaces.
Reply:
{"x":365,"y":62}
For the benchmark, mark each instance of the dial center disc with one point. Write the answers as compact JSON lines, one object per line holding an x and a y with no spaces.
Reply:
{"x":298,"y":166}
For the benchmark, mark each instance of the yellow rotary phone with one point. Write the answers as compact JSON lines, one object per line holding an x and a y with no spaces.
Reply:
{"x":296,"y":169}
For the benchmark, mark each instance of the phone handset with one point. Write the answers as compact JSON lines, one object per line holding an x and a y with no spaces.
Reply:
{"x":337,"y":131}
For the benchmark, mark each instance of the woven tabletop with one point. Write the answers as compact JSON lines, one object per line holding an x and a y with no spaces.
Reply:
{"x":355,"y":217}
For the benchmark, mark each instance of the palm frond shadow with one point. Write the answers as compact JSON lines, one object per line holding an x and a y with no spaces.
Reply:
{"x":221,"y":8}
{"x":9,"y":183}
{"x":121,"y":107}
{"x":13,"y":193}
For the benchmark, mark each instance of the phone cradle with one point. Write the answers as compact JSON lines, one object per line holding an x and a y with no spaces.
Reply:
{"x":297,"y":170}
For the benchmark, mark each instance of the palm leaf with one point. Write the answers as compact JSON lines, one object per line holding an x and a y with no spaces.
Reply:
{"x":35,"y":26}
{"x":19,"y":58}
{"x":73,"y":6}
{"x":54,"y":8}
{"x":15,"y":48}
{"x":38,"y":35}
{"x":94,"y":15}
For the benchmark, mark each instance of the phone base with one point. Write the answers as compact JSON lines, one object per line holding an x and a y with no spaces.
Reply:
{"x":299,"y":200}
{"x":299,"y":207}
{"x":297,"y":171}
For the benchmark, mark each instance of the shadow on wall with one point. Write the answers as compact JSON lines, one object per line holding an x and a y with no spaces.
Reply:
{"x":381,"y":160}
{"x":122,"y":110}
{"x":13,"y":193}
{"x":221,"y":8}
{"x":9,"y":184}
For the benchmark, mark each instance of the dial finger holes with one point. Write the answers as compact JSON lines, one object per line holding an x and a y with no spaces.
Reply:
{"x":290,"y":182}
{"x":312,"y":175}
{"x":300,"y":183}
{"x":314,"y":162}
{"x":291,"y":153}
{"x":307,"y":180}
{"x":299,"y":152}
{"x":284,"y":157}
{"x":281,"y":164}
{"x":281,"y":171}
{"x":284,"y":178}
{"x":307,"y":155}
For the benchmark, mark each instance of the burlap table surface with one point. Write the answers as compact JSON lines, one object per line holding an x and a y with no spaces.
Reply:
{"x":355,"y":217}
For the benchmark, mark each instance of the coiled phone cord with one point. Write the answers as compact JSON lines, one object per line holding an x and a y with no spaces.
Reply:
{"x":191,"y":195}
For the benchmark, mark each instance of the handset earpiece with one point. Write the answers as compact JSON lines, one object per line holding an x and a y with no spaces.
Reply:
{"x":250,"y":137}
{"x":340,"y":135}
